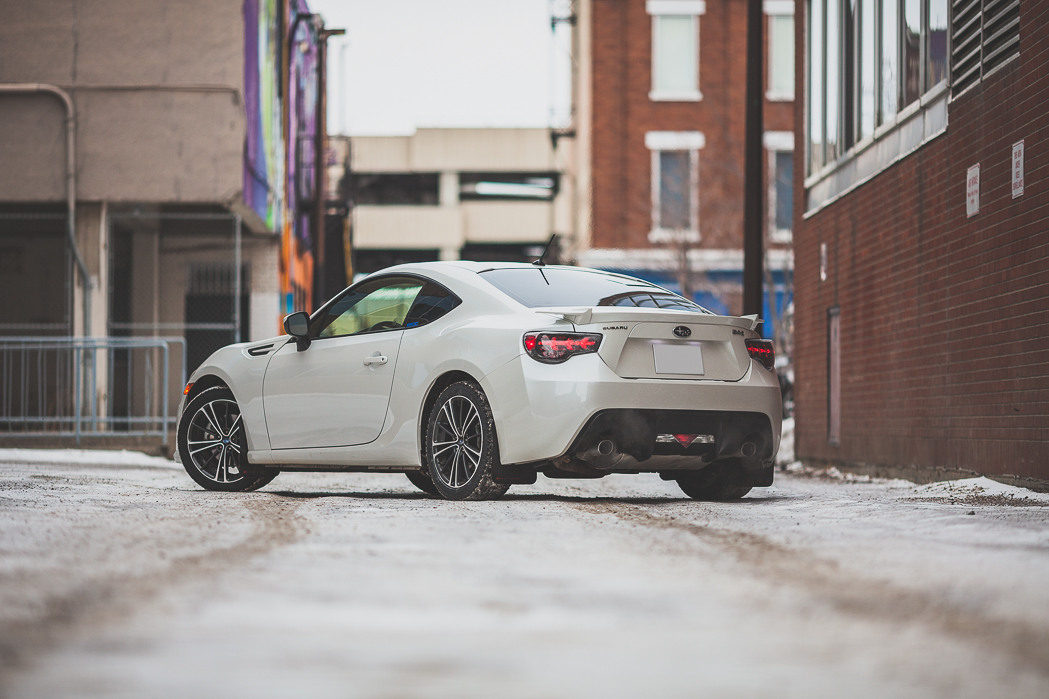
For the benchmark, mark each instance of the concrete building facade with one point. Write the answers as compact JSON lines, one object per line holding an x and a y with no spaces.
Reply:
{"x":191,"y":126}
{"x":448,"y":194}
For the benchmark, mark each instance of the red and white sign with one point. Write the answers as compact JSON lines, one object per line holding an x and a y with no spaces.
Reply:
{"x":1018,"y":169}
{"x":972,"y":191}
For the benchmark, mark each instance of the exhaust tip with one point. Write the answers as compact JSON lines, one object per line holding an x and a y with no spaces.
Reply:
{"x":605,"y":447}
{"x":749,"y":449}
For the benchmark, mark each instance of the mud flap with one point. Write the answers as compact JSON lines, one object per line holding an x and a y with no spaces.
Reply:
{"x":513,"y":474}
{"x":759,"y":475}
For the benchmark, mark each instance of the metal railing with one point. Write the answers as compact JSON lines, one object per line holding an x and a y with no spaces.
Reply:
{"x":76,"y":386}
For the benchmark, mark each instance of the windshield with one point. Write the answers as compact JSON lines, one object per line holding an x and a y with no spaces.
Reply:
{"x":559,"y":286}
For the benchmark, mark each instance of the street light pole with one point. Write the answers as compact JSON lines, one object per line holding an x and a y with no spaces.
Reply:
{"x":320,"y":184}
{"x":753,"y":185}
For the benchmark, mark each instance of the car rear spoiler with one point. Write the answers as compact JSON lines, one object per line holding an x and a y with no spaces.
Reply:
{"x":605,"y":314}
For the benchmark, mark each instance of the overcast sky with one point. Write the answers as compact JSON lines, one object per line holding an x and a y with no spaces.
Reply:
{"x":419,"y":63}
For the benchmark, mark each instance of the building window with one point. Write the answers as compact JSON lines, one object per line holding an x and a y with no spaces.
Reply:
{"x":780,"y":148}
{"x":508,"y":186}
{"x":868,"y":60}
{"x":675,"y":49}
{"x":781,"y":49}
{"x":675,"y":185}
{"x":985,"y":34}
{"x":395,"y":189}
{"x":675,"y":189}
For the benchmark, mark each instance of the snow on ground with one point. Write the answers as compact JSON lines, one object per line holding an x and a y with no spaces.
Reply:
{"x":126,"y":580}
{"x":105,"y":457}
{"x":980,"y":490}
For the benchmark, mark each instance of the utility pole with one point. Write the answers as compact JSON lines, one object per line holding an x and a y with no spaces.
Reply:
{"x":753,"y":185}
{"x":320,"y":181}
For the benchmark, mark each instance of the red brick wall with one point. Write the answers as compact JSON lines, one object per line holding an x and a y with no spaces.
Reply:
{"x":944,"y":318}
{"x":621,"y":33}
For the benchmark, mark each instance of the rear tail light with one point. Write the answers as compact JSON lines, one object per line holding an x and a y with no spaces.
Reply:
{"x":762,"y":351}
{"x":554,"y":348}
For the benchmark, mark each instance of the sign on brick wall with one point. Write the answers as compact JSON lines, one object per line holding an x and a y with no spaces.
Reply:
{"x":972,"y":191}
{"x":1018,"y":169}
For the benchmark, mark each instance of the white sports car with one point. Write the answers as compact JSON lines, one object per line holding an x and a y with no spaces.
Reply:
{"x":469,"y":377}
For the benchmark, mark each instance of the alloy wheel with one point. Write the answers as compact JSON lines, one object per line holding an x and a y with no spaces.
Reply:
{"x":457,"y":442}
{"x":215,"y":441}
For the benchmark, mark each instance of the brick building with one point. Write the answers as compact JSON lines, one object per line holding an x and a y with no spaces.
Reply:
{"x":660,"y":106}
{"x":921,"y":235}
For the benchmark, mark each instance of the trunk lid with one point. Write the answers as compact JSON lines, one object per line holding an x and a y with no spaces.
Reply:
{"x":663,"y":344}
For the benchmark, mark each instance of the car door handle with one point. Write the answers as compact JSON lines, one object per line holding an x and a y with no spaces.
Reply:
{"x":377,"y":359}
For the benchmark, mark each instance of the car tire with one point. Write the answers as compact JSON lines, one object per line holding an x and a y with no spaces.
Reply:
{"x":212,"y":445}
{"x":718,"y":482}
{"x":460,"y":445}
{"x":422,"y":481}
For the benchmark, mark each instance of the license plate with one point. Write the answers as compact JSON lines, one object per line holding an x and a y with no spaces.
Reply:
{"x":678,"y":358}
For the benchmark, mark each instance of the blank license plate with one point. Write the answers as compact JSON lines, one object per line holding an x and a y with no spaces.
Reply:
{"x":678,"y":359}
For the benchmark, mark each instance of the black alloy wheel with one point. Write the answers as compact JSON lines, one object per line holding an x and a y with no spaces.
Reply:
{"x":212,"y":445}
{"x":460,"y":446}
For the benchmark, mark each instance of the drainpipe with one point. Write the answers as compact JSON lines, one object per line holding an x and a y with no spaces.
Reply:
{"x":28,"y":88}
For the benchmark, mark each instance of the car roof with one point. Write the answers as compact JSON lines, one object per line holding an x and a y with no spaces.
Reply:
{"x":479,"y":267}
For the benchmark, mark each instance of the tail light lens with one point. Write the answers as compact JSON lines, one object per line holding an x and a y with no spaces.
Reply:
{"x":554,"y":348}
{"x":763,"y":351}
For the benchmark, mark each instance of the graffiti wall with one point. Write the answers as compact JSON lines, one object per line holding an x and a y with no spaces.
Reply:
{"x":280,"y":100}
{"x":302,"y":133}
{"x":264,"y":162}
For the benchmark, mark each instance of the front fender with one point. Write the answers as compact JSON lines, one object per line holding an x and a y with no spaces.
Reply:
{"x":243,"y":374}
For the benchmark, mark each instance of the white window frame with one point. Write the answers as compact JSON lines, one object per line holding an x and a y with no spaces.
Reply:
{"x":681,"y":8}
{"x":777,"y":8}
{"x":657,"y":142}
{"x":776,"y":142}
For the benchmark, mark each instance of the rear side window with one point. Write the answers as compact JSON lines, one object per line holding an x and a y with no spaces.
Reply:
{"x":538,"y":287}
{"x":431,"y":303}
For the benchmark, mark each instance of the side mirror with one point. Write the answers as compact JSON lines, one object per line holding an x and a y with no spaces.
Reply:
{"x":298,"y":326}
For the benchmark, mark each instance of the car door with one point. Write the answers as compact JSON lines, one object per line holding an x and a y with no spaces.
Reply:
{"x":336,"y":392}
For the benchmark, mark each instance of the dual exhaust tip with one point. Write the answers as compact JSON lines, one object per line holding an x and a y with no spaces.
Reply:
{"x":604,"y":454}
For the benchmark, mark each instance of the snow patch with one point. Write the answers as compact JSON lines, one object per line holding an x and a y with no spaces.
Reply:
{"x":786,"y":443}
{"x":833,"y":473}
{"x":115,"y":457}
{"x":970,"y":489}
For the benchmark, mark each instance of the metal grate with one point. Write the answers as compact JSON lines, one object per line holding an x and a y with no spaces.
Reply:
{"x":985,"y":34}
{"x":1001,"y":32}
{"x":214,"y":279}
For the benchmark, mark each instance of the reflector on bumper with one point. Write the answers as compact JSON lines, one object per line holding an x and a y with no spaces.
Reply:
{"x":685,"y":439}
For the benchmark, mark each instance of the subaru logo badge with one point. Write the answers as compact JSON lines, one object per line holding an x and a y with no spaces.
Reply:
{"x":682,"y":331}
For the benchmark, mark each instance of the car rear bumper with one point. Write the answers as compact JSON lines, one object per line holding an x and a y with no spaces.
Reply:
{"x":541,"y":410}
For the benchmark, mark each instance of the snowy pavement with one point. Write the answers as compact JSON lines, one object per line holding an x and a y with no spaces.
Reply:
{"x":120,"y":578}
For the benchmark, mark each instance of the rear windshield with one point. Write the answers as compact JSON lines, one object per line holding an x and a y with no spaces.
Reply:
{"x":547,"y":286}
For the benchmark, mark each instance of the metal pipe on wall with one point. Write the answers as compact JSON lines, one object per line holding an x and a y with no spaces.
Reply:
{"x":67,"y":101}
